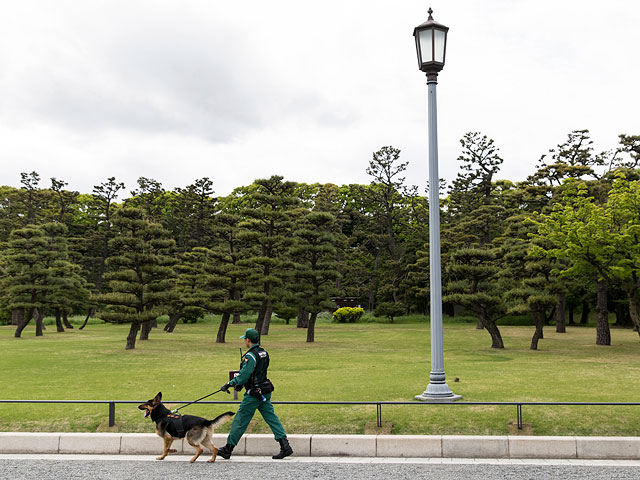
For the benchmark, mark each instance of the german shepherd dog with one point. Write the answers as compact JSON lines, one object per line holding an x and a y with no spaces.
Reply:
{"x":196,"y":430}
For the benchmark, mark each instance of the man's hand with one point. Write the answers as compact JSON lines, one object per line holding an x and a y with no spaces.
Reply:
{"x":225,"y":387}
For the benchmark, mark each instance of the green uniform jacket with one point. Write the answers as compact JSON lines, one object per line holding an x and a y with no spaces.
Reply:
{"x":248,"y":366}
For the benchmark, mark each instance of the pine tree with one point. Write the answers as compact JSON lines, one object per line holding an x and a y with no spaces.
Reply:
{"x":527,"y":281}
{"x":190,"y":214}
{"x":227,"y":273}
{"x":191,"y":295}
{"x":150,"y":197}
{"x":474,"y":273}
{"x":364,"y":250}
{"x":65,"y":199}
{"x":33,"y":199}
{"x":67,"y":289}
{"x":314,"y":255}
{"x":101,"y":207}
{"x":25,"y":278}
{"x":386,"y":202}
{"x":267,"y":231}
{"x":475,"y":218}
{"x":140,"y":274}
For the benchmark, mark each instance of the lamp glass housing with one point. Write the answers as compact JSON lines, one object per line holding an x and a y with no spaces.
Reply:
{"x":431,"y":45}
{"x":425,"y":47}
{"x":439,"y":40}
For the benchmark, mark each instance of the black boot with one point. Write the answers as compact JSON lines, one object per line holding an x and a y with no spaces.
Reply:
{"x":225,"y":452}
{"x":285,"y":449}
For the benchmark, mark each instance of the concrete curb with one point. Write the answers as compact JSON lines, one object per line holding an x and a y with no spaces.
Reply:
{"x":410,"y":446}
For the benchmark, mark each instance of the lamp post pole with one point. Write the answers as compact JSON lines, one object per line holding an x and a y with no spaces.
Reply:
{"x":431,"y":43}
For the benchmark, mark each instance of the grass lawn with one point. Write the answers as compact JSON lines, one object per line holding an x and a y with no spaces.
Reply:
{"x":364,"y":362}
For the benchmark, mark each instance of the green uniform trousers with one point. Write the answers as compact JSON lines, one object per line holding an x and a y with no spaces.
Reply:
{"x":245,"y":413}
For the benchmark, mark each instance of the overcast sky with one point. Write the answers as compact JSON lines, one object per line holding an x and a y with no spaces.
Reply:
{"x":178,"y":90}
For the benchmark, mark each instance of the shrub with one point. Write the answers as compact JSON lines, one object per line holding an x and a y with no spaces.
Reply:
{"x":192,"y":316}
{"x":286,"y":313}
{"x":389,"y":310}
{"x":348,"y":314}
{"x":5,"y":316}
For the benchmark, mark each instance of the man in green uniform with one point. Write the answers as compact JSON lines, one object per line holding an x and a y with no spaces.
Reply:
{"x":253,"y":376}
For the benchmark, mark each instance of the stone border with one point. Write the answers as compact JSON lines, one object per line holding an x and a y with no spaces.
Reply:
{"x":410,"y":446}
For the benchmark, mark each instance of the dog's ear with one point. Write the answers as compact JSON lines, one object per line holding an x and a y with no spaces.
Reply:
{"x":158,"y":398}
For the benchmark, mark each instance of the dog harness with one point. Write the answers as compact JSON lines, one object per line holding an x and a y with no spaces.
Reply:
{"x":175,"y":420}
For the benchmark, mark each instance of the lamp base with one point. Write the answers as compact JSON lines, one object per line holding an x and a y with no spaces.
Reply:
{"x":438,"y":392}
{"x":431,"y":399}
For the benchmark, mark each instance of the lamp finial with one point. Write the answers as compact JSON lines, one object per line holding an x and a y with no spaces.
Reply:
{"x":430,"y":12}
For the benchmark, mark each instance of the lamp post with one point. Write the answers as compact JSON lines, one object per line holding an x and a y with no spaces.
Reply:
{"x":431,"y":43}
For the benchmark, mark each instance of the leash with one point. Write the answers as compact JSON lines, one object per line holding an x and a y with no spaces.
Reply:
{"x":195,"y":401}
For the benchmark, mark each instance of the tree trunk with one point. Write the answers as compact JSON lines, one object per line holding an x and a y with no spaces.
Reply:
{"x":26,"y":318}
{"x":623,"y":320}
{"x":571,"y":320}
{"x":17,"y":316}
{"x":86,"y":319}
{"x":603,"y":335}
{"x":373,"y":281}
{"x":261,"y":312}
{"x":633,"y":311}
{"x":144,"y":331}
{"x":479,"y":325}
{"x":560,"y":313}
{"x":154,"y":323}
{"x":236,"y":316}
{"x":174,"y":318}
{"x":39,"y":317}
{"x":131,"y":338}
{"x":547,"y":318}
{"x":303,"y":318}
{"x":492,"y":328}
{"x":311,"y":329}
{"x":371,"y":297}
{"x":267,"y":320}
{"x":538,"y":318}
{"x":222,"y":329}
{"x":65,"y":320}
{"x":584,"y":316}
{"x":59,"y":327}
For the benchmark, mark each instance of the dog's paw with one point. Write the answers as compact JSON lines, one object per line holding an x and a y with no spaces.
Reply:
{"x":161,"y":457}
{"x":211,"y":460}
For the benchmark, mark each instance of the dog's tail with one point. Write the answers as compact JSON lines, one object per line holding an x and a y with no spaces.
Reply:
{"x":220,"y":419}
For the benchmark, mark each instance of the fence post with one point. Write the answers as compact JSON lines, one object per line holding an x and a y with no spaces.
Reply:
{"x":519,"y":415}
{"x":379,"y":415}
{"x":112,"y":414}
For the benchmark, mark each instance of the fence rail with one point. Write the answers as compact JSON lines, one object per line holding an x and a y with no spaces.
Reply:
{"x":112,"y":405}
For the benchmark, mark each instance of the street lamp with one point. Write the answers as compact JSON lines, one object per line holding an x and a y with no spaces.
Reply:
{"x":431,"y":45}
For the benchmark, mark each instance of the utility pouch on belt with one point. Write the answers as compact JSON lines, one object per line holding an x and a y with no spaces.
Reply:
{"x":262,"y":389}
{"x":266,"y":387}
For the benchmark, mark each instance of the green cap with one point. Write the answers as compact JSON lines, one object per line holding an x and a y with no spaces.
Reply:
{"x":252,"y":334}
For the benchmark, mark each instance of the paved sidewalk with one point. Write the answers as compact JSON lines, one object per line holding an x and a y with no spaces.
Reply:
{"x":332,"y":446}
{"x":338,"y":460}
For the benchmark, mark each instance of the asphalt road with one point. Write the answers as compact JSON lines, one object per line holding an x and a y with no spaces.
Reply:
{"x":24,"y":468}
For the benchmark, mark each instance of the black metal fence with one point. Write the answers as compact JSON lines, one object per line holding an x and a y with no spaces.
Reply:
{"x":112,"y":405}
